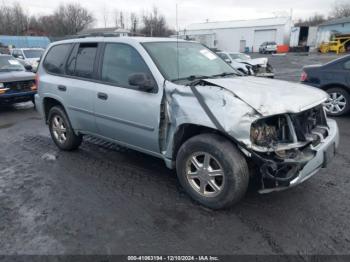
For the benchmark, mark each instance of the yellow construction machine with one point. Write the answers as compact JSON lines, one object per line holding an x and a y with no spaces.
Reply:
{"x":339,"y":44}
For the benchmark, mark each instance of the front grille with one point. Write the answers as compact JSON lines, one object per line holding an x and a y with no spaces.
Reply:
{"x":19,"y":86}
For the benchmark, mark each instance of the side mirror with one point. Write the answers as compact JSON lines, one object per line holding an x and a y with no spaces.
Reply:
{"x":20,"y":57}
{"x":28,"y":67}
{"x":228,"y":61}
{"x":143,"y":81}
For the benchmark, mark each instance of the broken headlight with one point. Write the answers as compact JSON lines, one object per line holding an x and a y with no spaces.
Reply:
{"x":267,"y":132}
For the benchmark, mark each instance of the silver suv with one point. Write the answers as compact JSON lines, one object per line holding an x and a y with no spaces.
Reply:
{"x":178,"y":101}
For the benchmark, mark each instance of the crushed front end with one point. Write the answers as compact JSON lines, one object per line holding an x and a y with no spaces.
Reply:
{"x":289,"y":148}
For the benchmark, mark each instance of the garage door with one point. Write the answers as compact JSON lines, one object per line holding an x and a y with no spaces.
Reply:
{"x":261,"y":36}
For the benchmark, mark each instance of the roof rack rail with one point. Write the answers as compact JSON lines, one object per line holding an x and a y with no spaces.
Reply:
{"x":98,"y":35}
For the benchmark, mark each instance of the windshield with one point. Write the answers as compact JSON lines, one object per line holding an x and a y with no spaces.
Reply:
{"x":33,"y":53}
{"x":8,"y":63}
{"x":185,"y":59}
{"x":239,"y":56}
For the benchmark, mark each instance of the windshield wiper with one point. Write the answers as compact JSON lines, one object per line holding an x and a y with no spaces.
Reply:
{"x":191,"y":78}
{"x":224,"y":74}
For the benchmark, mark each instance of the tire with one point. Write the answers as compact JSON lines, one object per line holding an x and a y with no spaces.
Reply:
{"x":222,"y":155}
{"x":338,"y":103}
{"x":61,"y":130}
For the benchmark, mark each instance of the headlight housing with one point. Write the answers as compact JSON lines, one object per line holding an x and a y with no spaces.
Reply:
{"x":267,"y":132}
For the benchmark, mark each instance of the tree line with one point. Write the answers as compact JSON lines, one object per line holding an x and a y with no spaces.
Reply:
{"x":338,"y":10}
{"x":69,"y":19}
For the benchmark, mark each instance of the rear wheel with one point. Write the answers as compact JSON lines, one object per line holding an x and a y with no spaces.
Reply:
{"x":338,"y":101}
{"x":212,"y":171}
{"x":61,"y":130}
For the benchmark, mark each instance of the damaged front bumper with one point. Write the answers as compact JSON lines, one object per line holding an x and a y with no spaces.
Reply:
{"x":322,"y":155}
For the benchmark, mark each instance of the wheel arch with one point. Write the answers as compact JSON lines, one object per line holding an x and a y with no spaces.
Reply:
{"x":48,"y":103}
{"x":336,"y":85}
{"x":188,"y":130}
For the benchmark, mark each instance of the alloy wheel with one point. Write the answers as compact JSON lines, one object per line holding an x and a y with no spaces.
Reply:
{"x":205,"y":174}
{"x":336,"y":103}
{"x":59,"y":129}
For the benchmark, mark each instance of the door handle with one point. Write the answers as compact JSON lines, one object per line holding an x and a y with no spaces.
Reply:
{"x":102,"y":96}
{"x":62,"y":88}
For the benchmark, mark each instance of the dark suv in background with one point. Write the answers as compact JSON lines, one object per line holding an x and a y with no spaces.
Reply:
{"x":16,"y":84}
{"x":334,"y":78}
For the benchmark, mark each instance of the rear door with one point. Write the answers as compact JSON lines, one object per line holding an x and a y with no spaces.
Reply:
{"x":79,"y":86}
{"x":123,"y":112}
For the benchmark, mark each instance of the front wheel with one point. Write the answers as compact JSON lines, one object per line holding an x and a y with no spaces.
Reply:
{"x":61,"y":130}
{"x":212,"y":170}
{"x":338,"y":101}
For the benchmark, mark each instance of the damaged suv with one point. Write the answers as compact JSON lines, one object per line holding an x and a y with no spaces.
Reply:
{"x":179,"y":101}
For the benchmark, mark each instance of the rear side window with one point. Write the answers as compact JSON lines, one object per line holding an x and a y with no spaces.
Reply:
{"x":55,"y":59}
{"x":85,"y":59}
{"x":81,"y":61}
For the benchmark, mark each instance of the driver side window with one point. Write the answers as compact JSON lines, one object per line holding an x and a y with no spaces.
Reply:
{"x":120,"y":61}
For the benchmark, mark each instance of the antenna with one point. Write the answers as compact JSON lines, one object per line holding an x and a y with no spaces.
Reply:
{"x":177,"y":45}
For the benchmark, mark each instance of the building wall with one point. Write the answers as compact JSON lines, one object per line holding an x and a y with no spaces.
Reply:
{"x":324,"y":32}
{"x":25,"y":41}
{"x":229,"y":39}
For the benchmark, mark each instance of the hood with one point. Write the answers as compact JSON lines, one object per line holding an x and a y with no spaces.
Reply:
{"x":16,"y":76}
{"x":270,"y":96}
{"x":256,"y":61}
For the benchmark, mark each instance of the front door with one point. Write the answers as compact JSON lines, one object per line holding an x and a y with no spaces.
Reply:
{"x":124,"y":112}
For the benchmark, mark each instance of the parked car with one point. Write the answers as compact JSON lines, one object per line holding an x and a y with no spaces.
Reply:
{"x":334,"y":78}
{"x":28,"y":56}
{"x":259,"y":66}
{"x":16,"y":84}
{"x":244,"y":68}
{"x":268,"y":47}
{"x":178,"y":101}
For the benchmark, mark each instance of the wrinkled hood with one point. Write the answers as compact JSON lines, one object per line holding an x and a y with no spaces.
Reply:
{"x":256,"y":61}
{"x":16,"y":76}
{"x":270,"y":96}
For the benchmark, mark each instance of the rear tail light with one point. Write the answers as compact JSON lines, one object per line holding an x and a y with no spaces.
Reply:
{"x":303,"y":77}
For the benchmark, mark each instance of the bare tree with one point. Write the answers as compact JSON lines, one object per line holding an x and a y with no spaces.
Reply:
{"x":120,"y":18}
{"x":134,"y":23}
{"x":314,"y":20}
{"x":340,"y":9}
{"x":104,"y":16}
{"x":13,"y":20}
{"x":155,"y":24}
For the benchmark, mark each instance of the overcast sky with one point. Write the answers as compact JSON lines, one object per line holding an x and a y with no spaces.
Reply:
{"x":190,"y":11}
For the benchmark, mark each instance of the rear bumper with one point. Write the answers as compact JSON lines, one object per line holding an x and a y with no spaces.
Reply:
{"x":320,"y":160}
{"x":16,"y":97}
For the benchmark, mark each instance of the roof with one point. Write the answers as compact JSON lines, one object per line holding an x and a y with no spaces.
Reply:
{"x":336,"y":21}
{"x":129,"y":40}
{"x":103,"y":30}
{"x":240,"y":23}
